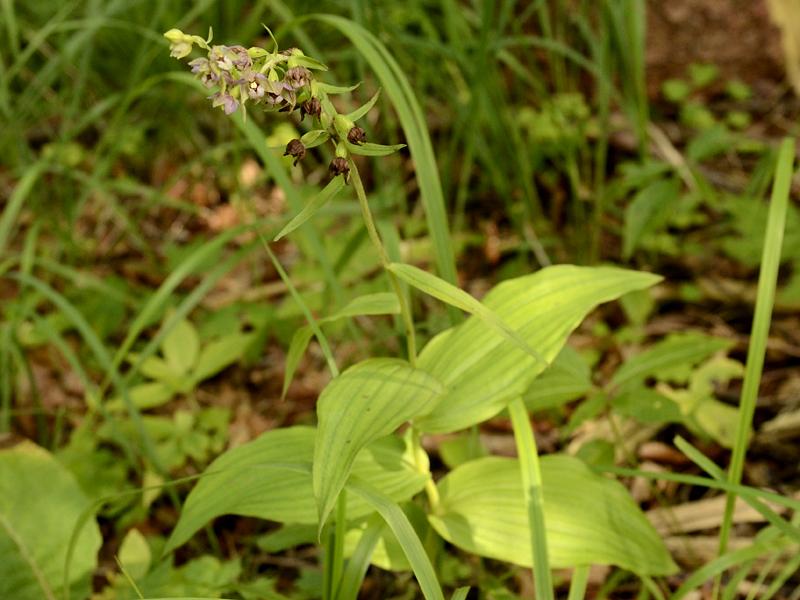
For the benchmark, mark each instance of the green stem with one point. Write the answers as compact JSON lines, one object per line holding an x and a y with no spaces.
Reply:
{"x":577,"y":587}
{"x":534,"y":499}
{"x":405,"y":310}
{"x":430,"y":487}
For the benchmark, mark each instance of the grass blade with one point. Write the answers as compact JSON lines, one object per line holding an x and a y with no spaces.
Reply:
{"x":577,"y":587}
{"x":410,"y":542}
{"x":358,"y":563}
{"x":16,"y":201}
{"x":310,"y":209}
{"x":765,"y":299}
{"x":460,"y":594}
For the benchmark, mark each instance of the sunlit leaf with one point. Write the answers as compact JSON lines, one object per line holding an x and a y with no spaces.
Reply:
{"x":40,"y":504}
{"x":368,"y":401}
{"x":450,"y":294}
{"x":483,"y":371}
{"x":590,"y":519}
{"x":270,"y":478}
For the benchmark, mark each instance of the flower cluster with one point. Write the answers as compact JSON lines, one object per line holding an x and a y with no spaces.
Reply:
{"x":278,"y":81}
{"x":240,"y":75}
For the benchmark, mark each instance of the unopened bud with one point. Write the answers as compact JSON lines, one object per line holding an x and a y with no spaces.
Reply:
{"x":357,"y":136}
{"x":339,"y":166}
{"x":311,"y":107}
{"x":296,"y":149}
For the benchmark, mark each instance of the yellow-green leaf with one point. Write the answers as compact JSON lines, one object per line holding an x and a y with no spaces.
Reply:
{"x":590,"y":519}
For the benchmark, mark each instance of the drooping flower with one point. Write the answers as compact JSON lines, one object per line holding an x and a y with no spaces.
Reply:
{"x":311,"y":107}
{"x":339,"y":166}
{"x":356,"y":136}
{"x":225,"y":100}
{"x":280,"y":95}
{"x":202,"y":68}
{"x":296,"y":149}
{"x":298,"y":77}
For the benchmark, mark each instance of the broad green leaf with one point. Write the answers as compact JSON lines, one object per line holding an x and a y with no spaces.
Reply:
{"x":450,"y":294}
{"x":647,"y":211}
{"x":647,"y":406}
{"x":677,"y":353}
{"x":155,"y":367}
{"x":145,"y":396}
{"x":364,"y":108}
{"x":566,"y":379}
{"x":703,"y":413}
{"x":40,"y":504}
{"x":590,"y":519}
{"x":310,"y":209}
{"x":370,"y":149}
{"x":134,"y":554}
{"x":180,"y":347}
{"x":368,"y":401}
{"x":270,"y":478}
{"x":382,"y":303}
{"x":483,"y":371}
{"x":220,"y":353}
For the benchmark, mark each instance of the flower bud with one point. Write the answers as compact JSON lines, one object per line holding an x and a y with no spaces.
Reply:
{"x":296,"y":149}
{"x":180,"y":44}
{"x":311,"y":107}
{"x":357,"y":136}
{"x":339,"y":166}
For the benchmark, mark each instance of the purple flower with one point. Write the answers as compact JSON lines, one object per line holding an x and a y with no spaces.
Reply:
{"x":224,"y":99}
{"x":280,"y":95}
{"x":220,"y":58}
{"x":202,"y":68}
{"x":239,"y":57}
{"x":254,"y":85}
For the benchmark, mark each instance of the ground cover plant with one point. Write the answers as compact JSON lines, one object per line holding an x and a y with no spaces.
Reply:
{"x":240,"y":361}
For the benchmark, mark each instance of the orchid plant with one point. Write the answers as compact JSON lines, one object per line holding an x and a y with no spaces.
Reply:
{"x":355,"y":476}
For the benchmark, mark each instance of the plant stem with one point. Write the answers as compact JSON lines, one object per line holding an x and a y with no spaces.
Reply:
{"x":534,"y":499}
{"x":430,"y":487}
{"x":405,"y":309}
{"x":577,"y":587}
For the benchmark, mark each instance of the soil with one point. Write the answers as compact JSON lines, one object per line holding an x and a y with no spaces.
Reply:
{"x":680,"y":32}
